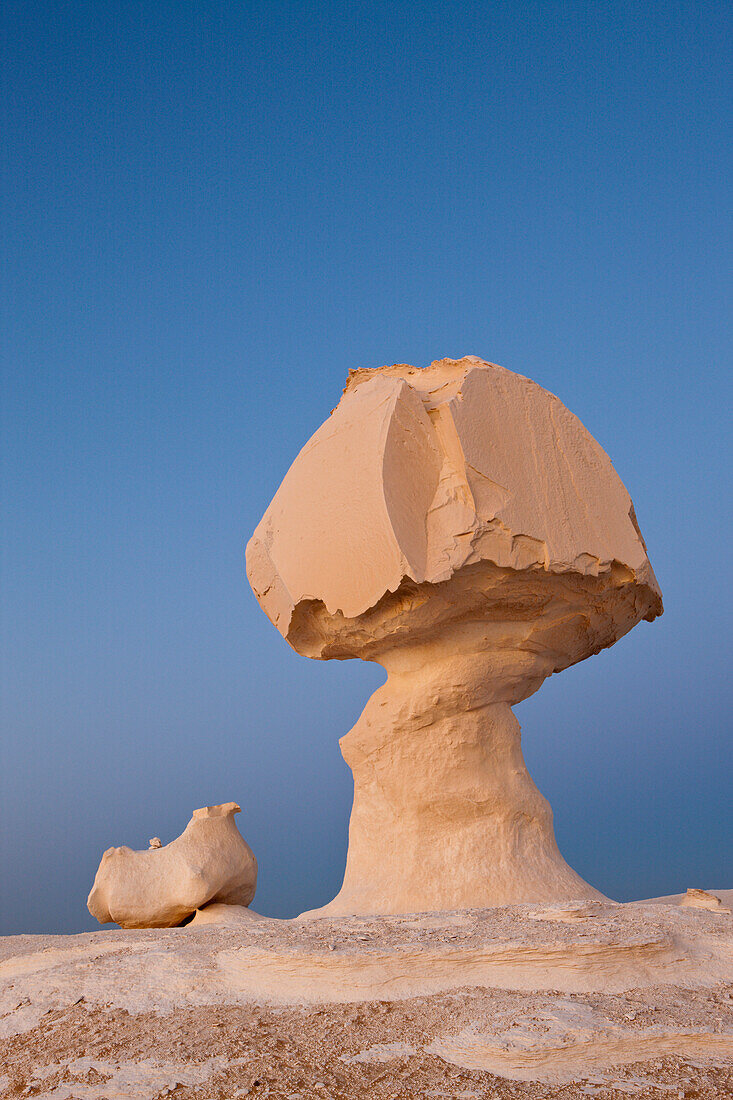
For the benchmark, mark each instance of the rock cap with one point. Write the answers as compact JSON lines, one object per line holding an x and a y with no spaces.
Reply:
{"x":457,"y":491}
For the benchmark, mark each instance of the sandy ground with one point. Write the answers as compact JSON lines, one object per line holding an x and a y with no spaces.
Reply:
{"x":593,"y":1000}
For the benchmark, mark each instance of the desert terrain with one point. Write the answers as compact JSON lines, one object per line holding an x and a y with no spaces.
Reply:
{"x":588,"y":1000}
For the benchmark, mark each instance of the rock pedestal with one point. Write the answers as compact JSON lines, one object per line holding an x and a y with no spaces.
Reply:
{"x":446,"y":815}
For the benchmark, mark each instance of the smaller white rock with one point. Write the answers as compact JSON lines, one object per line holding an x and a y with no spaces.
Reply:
{"x":162,"y":887}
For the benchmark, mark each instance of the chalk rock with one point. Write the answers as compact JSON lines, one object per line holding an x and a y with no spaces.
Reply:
{"x":461,"y":527}
{"x":701,"y":899}
{"x":228,"y":915}
{"x":161,"y":887}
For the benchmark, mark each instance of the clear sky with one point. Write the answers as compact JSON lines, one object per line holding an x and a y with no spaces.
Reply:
{"x":210,"y":212}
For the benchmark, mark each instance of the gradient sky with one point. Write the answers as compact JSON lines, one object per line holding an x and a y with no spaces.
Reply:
{"x":211,"y":211}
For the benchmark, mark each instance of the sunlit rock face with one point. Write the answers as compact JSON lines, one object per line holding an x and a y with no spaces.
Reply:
{"x":160,"y":888}
{"x":461,"y":527}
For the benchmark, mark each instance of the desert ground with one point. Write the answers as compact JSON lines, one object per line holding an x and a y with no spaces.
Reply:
{"x":588,"y":1000}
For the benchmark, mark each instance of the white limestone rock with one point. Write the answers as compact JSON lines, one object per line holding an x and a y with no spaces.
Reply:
{"x":703,"y":899}
{"x":162,"y":887}
{"x":461,"y":527}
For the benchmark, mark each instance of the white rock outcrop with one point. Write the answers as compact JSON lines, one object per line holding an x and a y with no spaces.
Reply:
{"x":703,"y":899}
{"x":163,"y":886}
{"x":461,"y":527}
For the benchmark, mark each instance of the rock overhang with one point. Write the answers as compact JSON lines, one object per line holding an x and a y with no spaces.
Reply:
{"x":459,"y":490}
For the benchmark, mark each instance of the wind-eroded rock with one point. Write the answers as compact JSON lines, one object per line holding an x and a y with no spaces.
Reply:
{"x":461,"y":527}
{"x":161,"y":887}
{"x":702,"y":899}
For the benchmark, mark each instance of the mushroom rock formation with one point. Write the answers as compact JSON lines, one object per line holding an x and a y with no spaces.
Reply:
{"x":163,"y":886}
{"x":458,"y":525}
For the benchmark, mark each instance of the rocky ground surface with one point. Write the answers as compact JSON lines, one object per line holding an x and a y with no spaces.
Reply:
{"x":595,"y":1000}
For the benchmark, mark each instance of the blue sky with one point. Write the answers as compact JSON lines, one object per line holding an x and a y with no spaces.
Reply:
{"x":210,"y":213}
